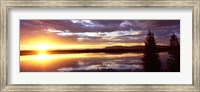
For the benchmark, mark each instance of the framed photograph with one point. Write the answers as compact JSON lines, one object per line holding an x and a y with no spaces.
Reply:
{"x":64,"y":45}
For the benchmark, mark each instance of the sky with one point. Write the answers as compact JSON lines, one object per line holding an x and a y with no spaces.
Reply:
{"x":81,"y":34}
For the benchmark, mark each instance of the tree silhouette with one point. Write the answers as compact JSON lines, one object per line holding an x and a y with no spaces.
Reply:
{"x":150,"y":54}
{"x":174,"y":52}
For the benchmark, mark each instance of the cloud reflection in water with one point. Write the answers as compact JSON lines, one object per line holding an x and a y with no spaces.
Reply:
{"x":117,"y":64}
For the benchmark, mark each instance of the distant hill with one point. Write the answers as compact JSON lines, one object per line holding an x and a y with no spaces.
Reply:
{"x":110,"y":49}
{"x":124,"y":47}
{"x":160,"y":47}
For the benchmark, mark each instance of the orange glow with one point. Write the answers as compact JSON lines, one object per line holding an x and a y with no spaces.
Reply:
{"x":42,"y":57}
{"x":42,"y":47}
{"x":49,"y":46}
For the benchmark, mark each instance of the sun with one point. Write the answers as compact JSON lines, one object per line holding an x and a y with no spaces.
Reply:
{"x":42,"y":47}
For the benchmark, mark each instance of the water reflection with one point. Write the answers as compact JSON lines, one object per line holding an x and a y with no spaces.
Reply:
{"x":86,"y":62}
{"x":42,"y":57}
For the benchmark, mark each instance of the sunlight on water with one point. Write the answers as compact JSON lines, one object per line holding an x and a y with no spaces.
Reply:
{"x":45,"y":56}
{"x":82,"y":62}
{"x":42,"y":57}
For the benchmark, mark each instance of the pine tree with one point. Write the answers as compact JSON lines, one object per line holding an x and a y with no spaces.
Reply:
{"x":150,"y":54}
{"x":174,"y":52}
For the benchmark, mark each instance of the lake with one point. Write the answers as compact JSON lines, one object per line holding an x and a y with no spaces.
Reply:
{"x":87,"y":62}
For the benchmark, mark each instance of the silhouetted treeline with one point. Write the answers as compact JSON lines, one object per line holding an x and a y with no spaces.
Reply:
{"x":150,"y":54}
{"x":174,"y":52}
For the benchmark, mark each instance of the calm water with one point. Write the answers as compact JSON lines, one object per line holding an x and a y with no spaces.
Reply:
{"x":87,"y":62}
